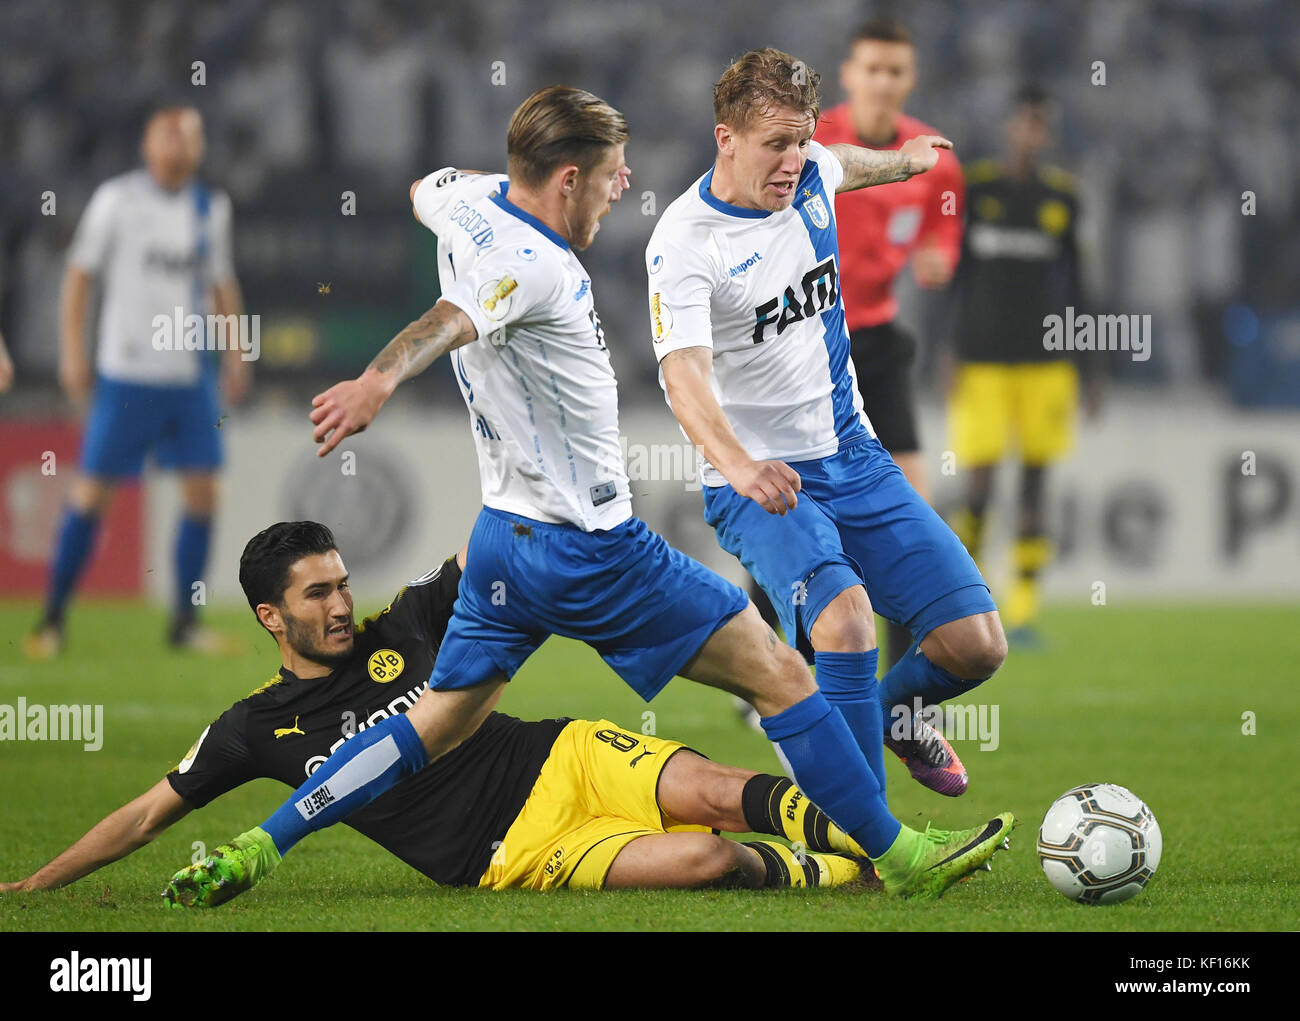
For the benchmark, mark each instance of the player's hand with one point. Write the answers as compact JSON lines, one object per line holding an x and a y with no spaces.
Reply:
{"x":342,"y":410}
{"x":6,"y":369}
{"x":923,"y":151}
{"x":770,"y":484}
{"x":18,"y":887}
{"x":75,"y":378}
{"x":931,"y":267}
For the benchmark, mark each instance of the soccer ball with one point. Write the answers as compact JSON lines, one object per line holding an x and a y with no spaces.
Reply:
{"x":1099,"y":844}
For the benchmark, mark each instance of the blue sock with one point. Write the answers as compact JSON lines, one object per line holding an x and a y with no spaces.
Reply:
{"x":193,"y":538}
{"x":76,"y":541}
{"x":848,"y":680}
{"x":829,"y":767}
{"x":364,"y":767}
{"x":913,"y":677}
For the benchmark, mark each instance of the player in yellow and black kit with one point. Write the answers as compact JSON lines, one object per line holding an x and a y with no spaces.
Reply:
{"x":1019,"y":264}
{"x":529,"y":804}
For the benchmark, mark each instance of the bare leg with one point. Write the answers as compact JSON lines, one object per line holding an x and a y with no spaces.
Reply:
{"x":444,"y":719}
{"x":683,"y":861}
{"x":702,"y":793}
{"x":745,"y":658}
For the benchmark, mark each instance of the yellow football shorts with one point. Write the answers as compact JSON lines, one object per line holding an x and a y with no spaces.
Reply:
{"x":1032,"y":405}
{"x":596,"y":793}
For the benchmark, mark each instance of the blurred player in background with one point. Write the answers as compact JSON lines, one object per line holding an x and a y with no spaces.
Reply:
{"x":155,"y":241}
{"x":1020,"y":264}
{"x":880,"y":229}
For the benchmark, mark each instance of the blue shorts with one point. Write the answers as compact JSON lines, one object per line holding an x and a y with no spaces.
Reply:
{"x":858,"y":522}
{"x":128,"y":420}
{"x":644,"y":606}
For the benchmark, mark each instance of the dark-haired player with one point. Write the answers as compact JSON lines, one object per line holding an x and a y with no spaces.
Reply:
{"x":1021,"y":263}
{"x":531,"y":804}
{"x":880,"y":231}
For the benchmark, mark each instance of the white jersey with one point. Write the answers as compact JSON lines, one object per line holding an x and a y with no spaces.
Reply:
{"x":538,"y":383}
{"x":153,"y":251}
{"x":762,"y":291}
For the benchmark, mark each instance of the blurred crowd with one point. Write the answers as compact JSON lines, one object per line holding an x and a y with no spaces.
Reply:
{"x":307,"y":99}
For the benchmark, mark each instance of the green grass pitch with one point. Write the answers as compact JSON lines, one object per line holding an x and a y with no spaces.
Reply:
{"x":1149,"y":697}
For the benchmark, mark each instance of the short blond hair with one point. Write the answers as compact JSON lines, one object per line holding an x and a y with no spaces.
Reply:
{"x":764,"y":80}
{"x":556,"y":126}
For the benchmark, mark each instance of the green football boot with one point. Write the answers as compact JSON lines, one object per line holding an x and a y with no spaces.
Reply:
{"x":225,"y":873}
{"x":924,"y":865}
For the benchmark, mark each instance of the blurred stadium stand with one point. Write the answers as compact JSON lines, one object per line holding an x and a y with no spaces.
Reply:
{"x":306,"y":100}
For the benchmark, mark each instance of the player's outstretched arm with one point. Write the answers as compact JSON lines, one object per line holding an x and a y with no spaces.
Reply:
{"x":687,"y":375}
{"x":113,"y":837}
{"x":350,"y":406}
{"x":866,"y":167}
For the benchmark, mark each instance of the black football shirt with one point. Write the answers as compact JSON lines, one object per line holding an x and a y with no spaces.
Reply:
{"x":446,"y":819}
{"x":1019,"y":263}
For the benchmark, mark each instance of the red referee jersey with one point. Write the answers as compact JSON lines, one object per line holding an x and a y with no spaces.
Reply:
{"x":880,"y":227}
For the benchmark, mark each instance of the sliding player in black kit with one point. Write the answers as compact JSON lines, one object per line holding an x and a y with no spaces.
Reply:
{"x":529,"y":804}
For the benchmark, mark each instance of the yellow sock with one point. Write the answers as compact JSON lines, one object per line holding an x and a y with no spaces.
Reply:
{"x":774,"y":805}
{"x":801,"y":869}
{"x":1029,"y":557}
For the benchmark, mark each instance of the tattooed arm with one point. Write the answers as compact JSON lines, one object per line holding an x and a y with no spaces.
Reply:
{"x":866,"y":167}
{"x":350,"y":406}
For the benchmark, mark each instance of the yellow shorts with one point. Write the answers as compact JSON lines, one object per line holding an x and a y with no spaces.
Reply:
{"x":596,"y":793}
{"x":1031,"y":405}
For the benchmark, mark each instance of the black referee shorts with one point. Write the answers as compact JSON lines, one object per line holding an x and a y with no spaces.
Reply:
{"x":883,"y":357}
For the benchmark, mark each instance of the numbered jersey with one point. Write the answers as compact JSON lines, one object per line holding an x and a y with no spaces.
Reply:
{"x":761,"y":290}
{"x":538,"y":383}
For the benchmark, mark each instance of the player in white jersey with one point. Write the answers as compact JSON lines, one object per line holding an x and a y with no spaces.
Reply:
{"x":556,"y":549}
{"x":158,"y":244}
{"x":748,"y":324}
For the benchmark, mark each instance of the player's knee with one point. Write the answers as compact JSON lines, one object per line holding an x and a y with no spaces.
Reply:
{"x":972,"y":648}
{"x":983,"y":652}
{"x":199,"y":494}
{"x":847,"y":624}
{"x":90,"y":495}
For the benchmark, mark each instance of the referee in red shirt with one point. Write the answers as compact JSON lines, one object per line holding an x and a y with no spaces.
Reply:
{"x":880,"y":229}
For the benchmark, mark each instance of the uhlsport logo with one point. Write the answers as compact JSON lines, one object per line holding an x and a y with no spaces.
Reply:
{"x":744,"y":267}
